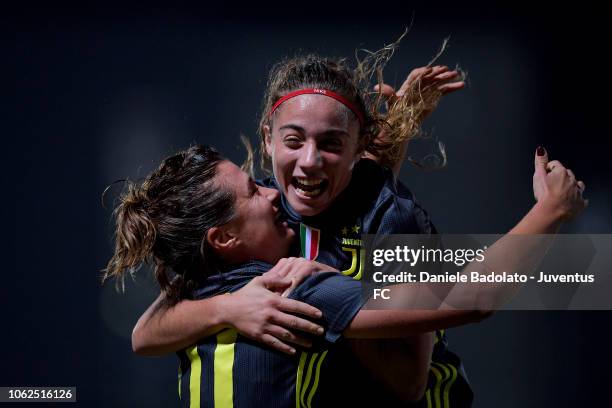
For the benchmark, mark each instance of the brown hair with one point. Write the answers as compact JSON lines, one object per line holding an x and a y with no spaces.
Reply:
{"x":400,"y":123}
{"x":313,"y":71}
{"x":165,"y":219}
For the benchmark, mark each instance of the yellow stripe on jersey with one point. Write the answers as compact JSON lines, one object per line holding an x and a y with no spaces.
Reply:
{"x":179,"y":380}
{"x":450,"y":374}
{"x":428,"y":397}
{"x":223,"y":365}
{"x":194,"y":377}
{"x":439,"y":335}
{"x":316,"y":379}
{"x":436,"y":389}
{"x":449,"y":384}
{"x":438,"y":399}
{"x":447,"y":375}
{"x":313,"y":357}
{"x":298,"y":379}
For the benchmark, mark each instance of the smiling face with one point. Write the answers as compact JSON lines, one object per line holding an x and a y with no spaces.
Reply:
{"x":258,"y":227}
{"x":314,"y":145}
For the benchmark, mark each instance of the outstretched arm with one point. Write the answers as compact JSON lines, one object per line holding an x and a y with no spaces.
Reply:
{"x":559,"y":198}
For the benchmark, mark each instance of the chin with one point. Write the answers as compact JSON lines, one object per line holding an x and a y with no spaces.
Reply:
{"x":308,"y":208}
{"x":305,"y":209}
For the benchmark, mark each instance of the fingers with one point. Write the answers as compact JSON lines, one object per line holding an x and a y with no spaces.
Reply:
{"x":430,"y":76}
{"x":571,"y":175}
{"x":414,"y":75}
{"x":281,"y":268}
{"x":294,"y":306}
{"x":387,"y":90}
{"x":448,"y":81}
{"x":296,"y":323}
{"x":285,"y":335}
{"x":273,"y":282}
{"x":540,"y":161}
{"x":435,"y":71}
{"x":451,"y":87}
{"x":294,"y":283}
{"x":446,"y":76}
{"x":293,"y":323}
{"x":277,"y":344}
{"x":279,"y":286}
{"x":388,"y":93}
{"x":555,"y":165}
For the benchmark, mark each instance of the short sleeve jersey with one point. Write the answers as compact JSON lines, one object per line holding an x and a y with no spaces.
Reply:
{"x":229,"y":370}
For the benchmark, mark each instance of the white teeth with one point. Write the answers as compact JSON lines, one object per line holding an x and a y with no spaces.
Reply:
{"x":309,"y":181}
{"x":312,"y":193}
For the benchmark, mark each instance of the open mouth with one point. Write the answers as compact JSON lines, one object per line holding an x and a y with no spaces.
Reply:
{"x":309,"y":186}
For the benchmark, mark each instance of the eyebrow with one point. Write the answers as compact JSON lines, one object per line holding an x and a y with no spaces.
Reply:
{"x":292,"y":127}
{"x":327,"y":133}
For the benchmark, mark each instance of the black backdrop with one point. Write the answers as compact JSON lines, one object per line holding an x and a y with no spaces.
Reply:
{"x":104,"y":93}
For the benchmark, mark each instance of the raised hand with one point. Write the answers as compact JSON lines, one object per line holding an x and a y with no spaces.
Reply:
{"x":556,"y":187}
{"x":290,"y":272}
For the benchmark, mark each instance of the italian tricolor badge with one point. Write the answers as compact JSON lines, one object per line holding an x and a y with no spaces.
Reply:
{"x":309,"y":240}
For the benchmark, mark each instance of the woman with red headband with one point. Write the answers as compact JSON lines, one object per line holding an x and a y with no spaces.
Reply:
{"x":318,"y":123}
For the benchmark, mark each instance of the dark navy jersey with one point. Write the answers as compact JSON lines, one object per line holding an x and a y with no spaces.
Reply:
{"x":375,"y":202}
{"x":229,"y":370}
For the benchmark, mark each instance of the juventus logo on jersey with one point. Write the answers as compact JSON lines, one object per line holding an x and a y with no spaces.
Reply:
{"x":309,"y":241}
{"x":352,"y":244}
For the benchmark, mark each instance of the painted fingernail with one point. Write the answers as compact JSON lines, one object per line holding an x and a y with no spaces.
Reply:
{"x":541,"y":151}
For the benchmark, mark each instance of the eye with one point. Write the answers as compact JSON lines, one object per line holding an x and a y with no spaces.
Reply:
{"x":332,"y":144}
{"x":253,"y":188}
{"x":292,"y":142}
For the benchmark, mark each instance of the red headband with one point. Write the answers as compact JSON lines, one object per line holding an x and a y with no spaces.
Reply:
{"x":325,"y":92}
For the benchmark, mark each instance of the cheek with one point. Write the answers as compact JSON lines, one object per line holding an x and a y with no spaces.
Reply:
{"x":340,"y":166}
{"x":283,"y":163}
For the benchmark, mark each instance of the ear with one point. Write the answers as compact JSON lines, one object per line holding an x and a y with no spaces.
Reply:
{"x":222,"y":239}
{"x":267,"y":132}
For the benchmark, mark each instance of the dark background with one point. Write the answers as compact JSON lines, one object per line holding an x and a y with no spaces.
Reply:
{"x":104,"y":93}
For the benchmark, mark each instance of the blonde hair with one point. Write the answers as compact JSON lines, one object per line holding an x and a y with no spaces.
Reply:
{"x":402,"y":121}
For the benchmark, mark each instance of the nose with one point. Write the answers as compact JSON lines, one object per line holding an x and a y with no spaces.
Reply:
{"x":271,"y":194}
{"x":310,"y":159}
